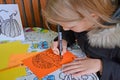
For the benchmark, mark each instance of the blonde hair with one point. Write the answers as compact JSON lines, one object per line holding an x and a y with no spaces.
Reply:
{"x":73,"y":10}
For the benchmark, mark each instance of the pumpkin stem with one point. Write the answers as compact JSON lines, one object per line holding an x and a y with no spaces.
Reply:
{"x":11,"y":16}
{"x":3,"y":10}
{"x":1,"y":19}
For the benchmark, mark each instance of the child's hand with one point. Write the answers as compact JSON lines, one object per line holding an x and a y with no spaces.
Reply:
{"x":55,"y":47}
{"x":82,"y":66}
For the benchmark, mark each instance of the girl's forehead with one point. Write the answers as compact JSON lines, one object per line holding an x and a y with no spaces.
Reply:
{"x":69,"y":23}
{"x":73,"y":22}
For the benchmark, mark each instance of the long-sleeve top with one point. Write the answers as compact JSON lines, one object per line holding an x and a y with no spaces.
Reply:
{"x":103,"y":44}
{"x":110,"y":57}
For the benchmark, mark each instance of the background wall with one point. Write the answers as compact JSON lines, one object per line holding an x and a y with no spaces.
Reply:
{"x":30,"y":11}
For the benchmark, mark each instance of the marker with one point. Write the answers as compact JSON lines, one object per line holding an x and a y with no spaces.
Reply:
{"x":60,"y":41}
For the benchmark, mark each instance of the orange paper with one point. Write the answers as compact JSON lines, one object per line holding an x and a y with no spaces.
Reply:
{"x":46,"y":62}
{"x":16,"y":59}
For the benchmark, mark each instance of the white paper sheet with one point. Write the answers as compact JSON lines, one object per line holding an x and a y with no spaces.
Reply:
{"x":10,"y":23}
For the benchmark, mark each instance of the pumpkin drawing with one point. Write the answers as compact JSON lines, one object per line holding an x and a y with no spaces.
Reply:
{"x":10,"y":27}
{"x":1,"y":20}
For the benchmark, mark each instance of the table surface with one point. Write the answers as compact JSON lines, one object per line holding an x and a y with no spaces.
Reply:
{"x":40,"y":35}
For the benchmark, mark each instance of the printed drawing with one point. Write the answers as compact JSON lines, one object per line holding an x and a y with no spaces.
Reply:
{"x":9,"y":27}
{"x":63,"y":76}
{"x":1,"y":23}
{"x":46,"y":60}
{"x":10,"y":23}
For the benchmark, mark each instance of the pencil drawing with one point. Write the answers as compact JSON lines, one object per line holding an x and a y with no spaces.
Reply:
{"x":46,"y":60}
{"x":63,"y":76}
{"x":9,"y":27}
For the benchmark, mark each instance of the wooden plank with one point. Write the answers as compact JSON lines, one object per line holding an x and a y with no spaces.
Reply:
{"x":40,"y":2}
{"x":13,"y":1}
{"x":1,"y":1}
{"x":9,"y":1}
{"x":43,"y":3}
{"x":4,"y":1}
{"x":29,"y":18}
{"x":21,"y":12}
{"x":32,"y":13}
{"x":28,"y":13}
{"x":36,"y":12}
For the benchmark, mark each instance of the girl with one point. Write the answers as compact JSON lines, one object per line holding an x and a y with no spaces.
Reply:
{"x":97,"y":31}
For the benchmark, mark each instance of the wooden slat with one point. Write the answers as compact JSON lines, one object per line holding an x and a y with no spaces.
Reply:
{"x":26,"y":8}
{"x":21,"y":12}
{"x":4,"y":1}
{"x":40,"y":3}
{"x":13,"y":1}
{"x":32,"y":13}
{"x":28,"y":13}
{"x":1,"y":1}
{"x":24,"y":13}
{"x":36,"y":12}
{"x":9,"y":1}
{"x":43,"y":3}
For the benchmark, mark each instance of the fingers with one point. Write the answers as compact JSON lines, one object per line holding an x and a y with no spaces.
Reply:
{"x":80,"y":59}
{"x":72,"y":65}
{"x":54,"y":44}
{"x":75,"y":68}
{"x":55,"y":49}
{"x":64,"y":50}
{"x":84,"y":72}
{"x":72,"y":68}
{"x":81,"y":66}
{"x":76,"y":71}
